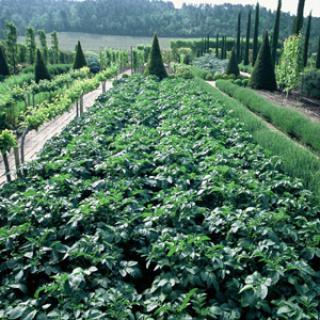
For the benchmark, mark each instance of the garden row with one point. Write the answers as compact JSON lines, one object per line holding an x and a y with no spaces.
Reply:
{"x":157,"y":205}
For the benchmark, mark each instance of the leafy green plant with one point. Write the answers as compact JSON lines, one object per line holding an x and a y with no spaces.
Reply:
{"x":157,"y":205}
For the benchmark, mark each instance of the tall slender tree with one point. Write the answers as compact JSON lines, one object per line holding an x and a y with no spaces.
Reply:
{"x":276,"y":30}
{"x":256,"y":35}
{"x":41,"y":71}
{"x":155,"y":64}
{"x":31,"y":45}
{"x":80,"y":60}
{"x":263,"y":75}
{"x":248,"y":35}
{"x":208,"y":43}
{"x":55,"y":47}
{"x":306,"y":41}
{"x":225,"y":48}
{"x":4,"y":69}
{"x":11,"y":41}
{"x":233,"y":68}
{"x":238,"y":44}
{"x":43,"y":44}
{"x":298,"y":21}
{"x":318,"y":56}
{"x":217,"y":45}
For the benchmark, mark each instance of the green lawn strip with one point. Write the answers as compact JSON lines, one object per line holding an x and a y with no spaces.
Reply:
{"x":296,"y":160}
{"x":292,"y":122}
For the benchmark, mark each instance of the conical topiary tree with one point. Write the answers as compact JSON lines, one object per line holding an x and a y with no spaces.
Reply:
{"x":298,"y":21}
{"x":155,"y":64}
{"x":263,"y":75}
{"x":80,"y":60}
{"x":4,"y":69}
{"x":41,"y":71}
{"x":233,"y":68}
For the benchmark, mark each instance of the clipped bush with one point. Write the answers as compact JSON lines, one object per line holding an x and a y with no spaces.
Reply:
{"x":41,"y":71}
{"x":233,"y":68}
{"x":184,"y":71}
{"x":80,"y":60}
{"x":310,"y":84}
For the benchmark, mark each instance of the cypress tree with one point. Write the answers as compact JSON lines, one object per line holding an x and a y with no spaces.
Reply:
{"x":208,"y":43}
{"x":247,"y":49}
{"x":306,"y":41}
{"x":256,"y":35}
{"x":217,"y":45}
{"x":239,"y":36}
{"x":233,"y":68}
{"x":80,"y":60}
{"x":298,"y":21}
{"x":263,"y":75}
{"x":155,"y":64}
{"x":318,"y":56}
{"x":275,"y":36}
{"x":225,"y":49}
{"x":41,"y":71}
{"x":4,"y":69}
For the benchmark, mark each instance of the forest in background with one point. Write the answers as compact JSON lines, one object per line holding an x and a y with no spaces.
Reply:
{"x":143,"y":19}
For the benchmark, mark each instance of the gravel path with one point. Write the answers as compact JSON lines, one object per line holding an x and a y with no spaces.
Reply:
{"x":36,"y":139}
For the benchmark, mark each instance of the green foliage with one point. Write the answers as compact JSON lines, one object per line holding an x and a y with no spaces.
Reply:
{"x":40,"y":70}
{"x":248,"y":35}
{"x":318,"y":56}
{"x":297,"y":161}
{"x":263,"y":75}
{"x":298,"y":20}
{"x":80,"y":60}
{"x":157,"y":205}
{"x":31,"y":45}
{"x":7,"y":140}
{"x":155,"y":64}
{"x":11,"y":44}
{"x":183,"y":71}
{"x":55,"y":48}
{"x":210,"y":63}
{"x":291,"y":122}
{"x":238,"y":42}
{"x":310,"y":84}
{"x":275,"y":34}
{"x":4,"y":68}
{"x":233,"y":68}
{"x":306,"y":41}
{"x":291,"y":63}
{"x":44,"y":46}
{"x":256,"y":35}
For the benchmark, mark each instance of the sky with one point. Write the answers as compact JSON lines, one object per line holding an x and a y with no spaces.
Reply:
{"x":287,"y":5}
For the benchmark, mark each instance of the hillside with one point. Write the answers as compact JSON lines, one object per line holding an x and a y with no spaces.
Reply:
{"x":144,"y":18}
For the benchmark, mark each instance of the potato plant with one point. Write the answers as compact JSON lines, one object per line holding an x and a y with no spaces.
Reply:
{"x":157,"y":205}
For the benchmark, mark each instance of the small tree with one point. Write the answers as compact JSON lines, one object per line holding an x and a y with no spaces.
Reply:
{"x":275,"y":36}
{"x":4,"y":69}
{"x":11,"y":42}
{"x":233,"y":68}
{"x":55,"y":47}
{"x":306,"y":41}
{"x":263,"y":75}
{"x":155,"y":64}
{"x":291,"y":63}
{"x":31,"y":45}
{"x":44,"y":46}
{"x":80,"y":60}
{"x":247,"y":49}
{"x":318,"y":56}
{"x":41,"y":71}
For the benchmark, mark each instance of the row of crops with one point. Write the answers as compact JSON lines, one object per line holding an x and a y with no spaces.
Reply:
{"x":157,"y":205}
{"x":27,"y":106}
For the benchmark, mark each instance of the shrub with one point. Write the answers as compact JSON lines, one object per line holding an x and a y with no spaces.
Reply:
{"x":155,"y":64}
{"x":41,"y":71}
{"x":184,"y":71}
{"x":80,"y":60}
{"x":310,"y":84}
{"x":233,"y":67}
{"x":4,"y":69}
{"x":263,"y":75}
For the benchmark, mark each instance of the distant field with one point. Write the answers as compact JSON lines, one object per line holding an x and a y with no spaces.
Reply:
{"x":95,"y":42}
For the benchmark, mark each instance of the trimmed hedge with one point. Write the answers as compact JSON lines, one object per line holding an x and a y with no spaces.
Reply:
{"x":295,"y":160}
{"x":287,"y":120}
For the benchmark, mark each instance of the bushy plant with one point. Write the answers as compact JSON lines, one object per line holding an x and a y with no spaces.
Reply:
{"x":310,"y":84}
{"x":155,"y":65}
{"x":211,"y":63}
{"x":233,"y":68}
{"x":263,"y":75}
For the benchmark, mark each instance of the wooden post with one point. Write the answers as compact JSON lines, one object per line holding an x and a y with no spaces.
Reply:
{"x":23,"y":140}
{"x":17,"y":160}
{"x":103,"y":86}
{"x":6,"y":166}
{"x":81,"y":104}
{"x":77,"y":109}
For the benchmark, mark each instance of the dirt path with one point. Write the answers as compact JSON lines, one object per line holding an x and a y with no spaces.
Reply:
{"x":36,"y":139}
